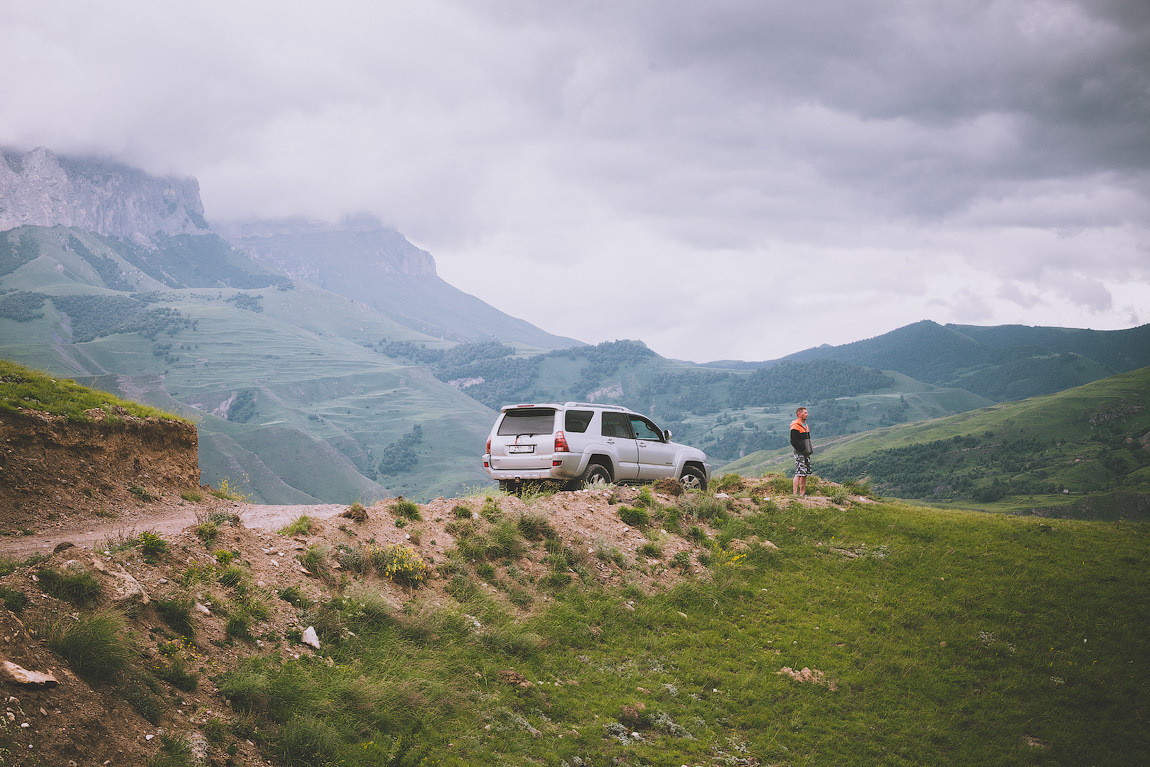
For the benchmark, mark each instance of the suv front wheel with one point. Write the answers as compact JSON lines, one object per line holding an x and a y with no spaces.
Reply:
{"x":693,"y":479}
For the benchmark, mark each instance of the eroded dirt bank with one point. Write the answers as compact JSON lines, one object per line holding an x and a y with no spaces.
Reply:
{"x":52,"y":468}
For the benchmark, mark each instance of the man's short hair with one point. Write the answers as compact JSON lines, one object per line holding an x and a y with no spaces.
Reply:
{"x":799,"y":410}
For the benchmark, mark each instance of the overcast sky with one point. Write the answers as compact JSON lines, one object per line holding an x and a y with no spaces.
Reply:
{"x":729,"y":179}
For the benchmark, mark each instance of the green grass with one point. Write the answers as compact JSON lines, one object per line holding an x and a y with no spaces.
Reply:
{"x":80,"y":588}
{"x":303,"y":525}
{"x":94,"y":646}
{"x":980,"y":640}
{"x":24,"y":389}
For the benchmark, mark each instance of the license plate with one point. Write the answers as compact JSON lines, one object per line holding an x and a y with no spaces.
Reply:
{"x":521,"y":448}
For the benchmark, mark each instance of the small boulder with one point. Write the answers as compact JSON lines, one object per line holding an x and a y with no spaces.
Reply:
{"x":22,"y":676}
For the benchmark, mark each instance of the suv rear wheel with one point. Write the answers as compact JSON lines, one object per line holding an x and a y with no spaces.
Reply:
{"x":596,"y":472}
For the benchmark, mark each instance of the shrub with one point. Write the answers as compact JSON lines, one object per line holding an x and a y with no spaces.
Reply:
{"x":229,"y":493}
{"x":461,"y":512}
{"x":729,"y":483}
{"x":303,"y":525}
{"x":152,"y":546}
{"x":239,"y":625}
{"x":534,"y":527}
{"x":651,"y":550}
{"x":94,"y":646}
{"x":634,"y":517}
{"x":14,"y":600}
{"x":404,"y":566}
{"x":702,"y":506}
{"x":176,"y":611}
{"x":231,"y":576}
{"x":355,"y":512}
{"x":682,"y":560}
{"x":78,"y":587}
{"x":490,"y":510}
{"x":406,"y":509}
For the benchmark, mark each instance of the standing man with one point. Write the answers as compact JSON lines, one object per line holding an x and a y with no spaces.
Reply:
{"x":801,"y":444}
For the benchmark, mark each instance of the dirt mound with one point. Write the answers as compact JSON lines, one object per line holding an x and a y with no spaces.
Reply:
{"x":152,"y":557}
{"x":51,"y":467}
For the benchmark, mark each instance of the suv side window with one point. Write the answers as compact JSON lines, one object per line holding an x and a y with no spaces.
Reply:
{"x":577,"y":421}
{"x":644,"y":429}
{"x":616,"y":425}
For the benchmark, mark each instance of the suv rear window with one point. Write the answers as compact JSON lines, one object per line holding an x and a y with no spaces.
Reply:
{"x":527,"y":421}
{"x":577,"y":421}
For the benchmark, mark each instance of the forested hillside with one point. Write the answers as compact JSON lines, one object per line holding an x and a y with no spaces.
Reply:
{"x":729,"y":413}
{"x":1001,"y":363}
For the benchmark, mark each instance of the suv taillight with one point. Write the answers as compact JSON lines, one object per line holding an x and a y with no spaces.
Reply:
{"x":561,"y":443}
{"x":489,"y":445}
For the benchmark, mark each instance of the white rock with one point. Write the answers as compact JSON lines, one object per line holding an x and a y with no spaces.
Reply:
{"x":310,"y":637}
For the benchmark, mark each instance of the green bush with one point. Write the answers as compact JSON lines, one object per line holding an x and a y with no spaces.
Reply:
{"x":176,"y":611}
{"x":94,"y":646}
{"x":14,"y":600}
{"x":303,"y":525}
{"x":651,"y":550}
{"x":80,"y":587}
{"x":634,"y":517}
{"x":534,"y":527}
{"x":406,"y":509}
{"x":152,"y":546}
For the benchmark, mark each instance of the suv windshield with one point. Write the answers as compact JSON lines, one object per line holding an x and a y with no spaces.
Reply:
{"x":527,"y":421}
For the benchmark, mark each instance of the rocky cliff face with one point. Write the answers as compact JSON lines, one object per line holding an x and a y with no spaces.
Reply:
{"x":38,"y":188}
{"x":356,"y":249}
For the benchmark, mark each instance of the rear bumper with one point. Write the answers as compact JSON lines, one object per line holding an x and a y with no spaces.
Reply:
{"x":564,"y":466}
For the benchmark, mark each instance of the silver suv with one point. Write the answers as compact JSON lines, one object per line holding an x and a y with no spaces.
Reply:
{"x":579,"y":444}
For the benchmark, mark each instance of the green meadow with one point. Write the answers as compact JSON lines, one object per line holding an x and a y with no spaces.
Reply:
{"x":931,"y":637}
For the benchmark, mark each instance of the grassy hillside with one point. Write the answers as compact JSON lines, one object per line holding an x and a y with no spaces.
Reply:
{"x":24,"y":389}
{"x":931,"y":637}
{"x":291,"y":404}
{"x":1043,"y":451}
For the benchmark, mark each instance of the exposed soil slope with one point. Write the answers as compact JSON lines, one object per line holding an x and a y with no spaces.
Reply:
{"x":52,"y":468}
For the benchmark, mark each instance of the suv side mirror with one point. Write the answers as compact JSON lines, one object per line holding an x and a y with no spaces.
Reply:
{"x":667,"y":435}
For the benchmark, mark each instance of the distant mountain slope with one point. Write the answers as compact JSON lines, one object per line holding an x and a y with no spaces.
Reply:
{"x":1002,"y":362}
{"x":1040,"y":452}
{"x":291,"y":401}
{"x":366,"y":261}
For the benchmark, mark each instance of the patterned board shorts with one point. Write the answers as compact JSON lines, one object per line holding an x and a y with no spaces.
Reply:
{"x":802,"y":465}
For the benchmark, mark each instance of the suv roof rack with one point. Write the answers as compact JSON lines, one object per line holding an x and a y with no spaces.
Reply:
{"x":594,"y":404}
